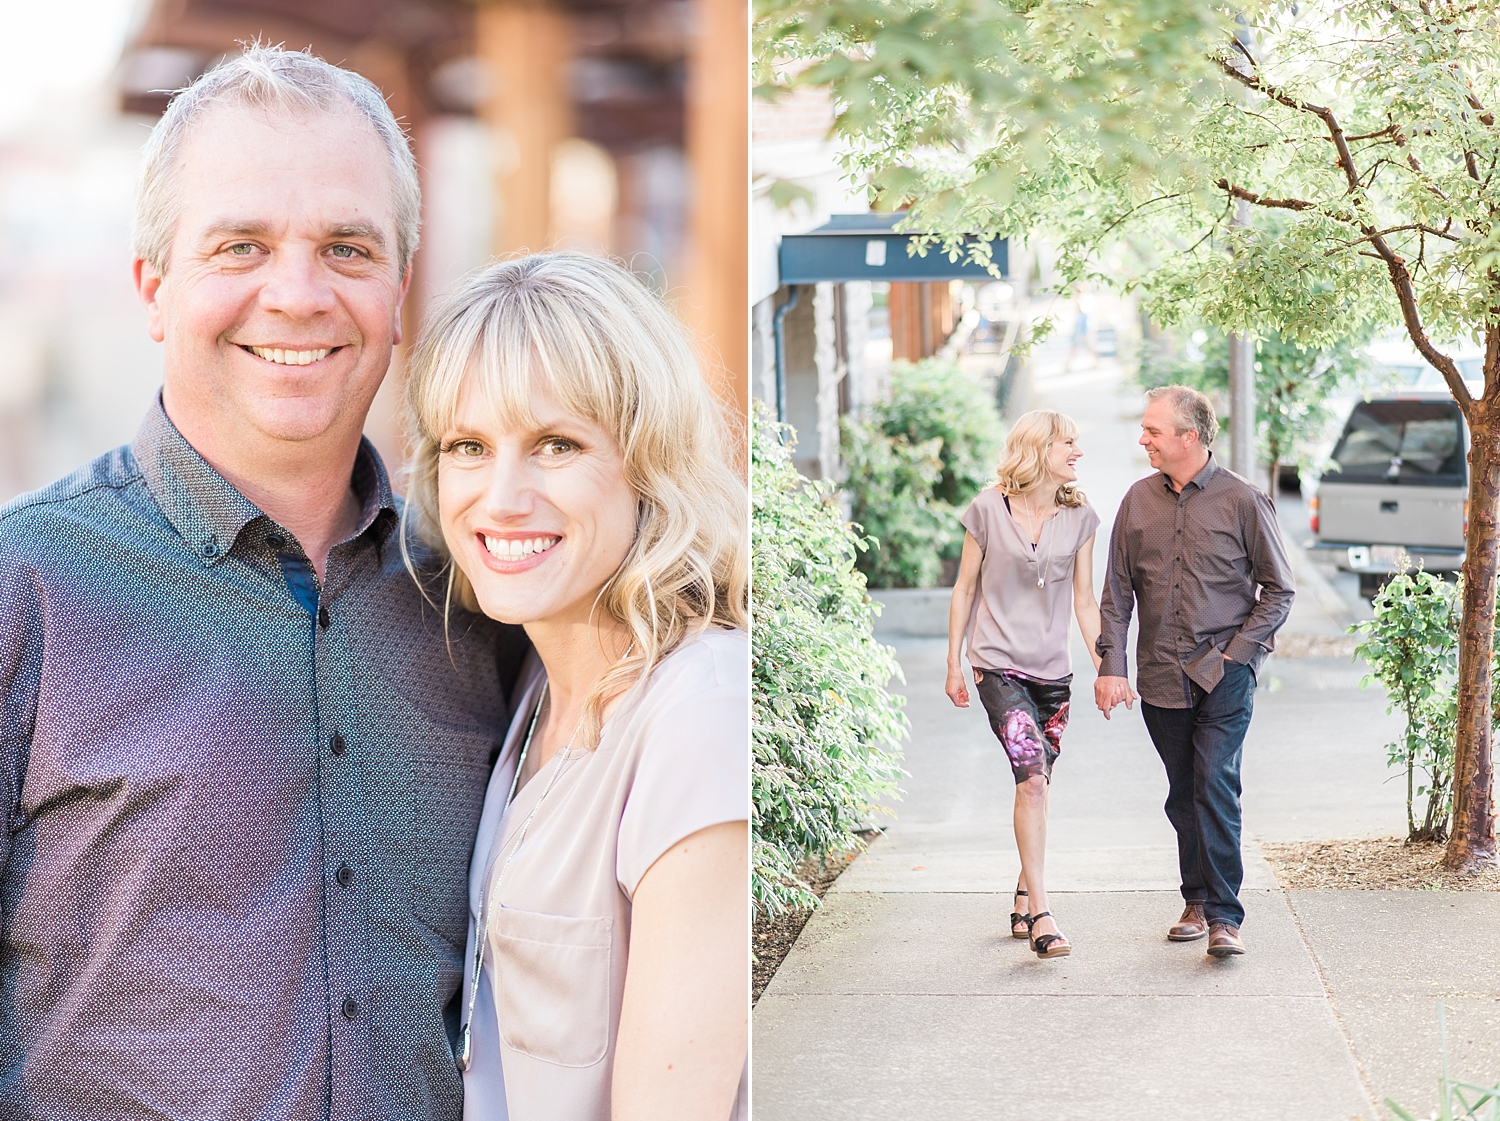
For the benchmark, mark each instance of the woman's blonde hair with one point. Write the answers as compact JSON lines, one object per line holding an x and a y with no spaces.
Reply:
{"x":607,"y":350}
{"x":1023,"y":464}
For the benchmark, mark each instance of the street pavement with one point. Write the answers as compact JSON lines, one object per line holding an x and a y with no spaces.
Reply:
{"x":906,"y":998}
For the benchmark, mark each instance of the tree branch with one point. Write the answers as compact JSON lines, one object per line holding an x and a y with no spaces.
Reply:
{"x":1411,"y":161}
{"x":1395,"y":264}
{"x":1238,"y":45}
{"x":1261,"y":200}
{"x":1425,"y":230}
{"x":1277,"y":94}
{"x":1136,"y":209}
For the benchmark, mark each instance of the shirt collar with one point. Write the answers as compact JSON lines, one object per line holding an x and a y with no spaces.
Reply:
{"x":210,"y":514}
{"x":1200,"y":480}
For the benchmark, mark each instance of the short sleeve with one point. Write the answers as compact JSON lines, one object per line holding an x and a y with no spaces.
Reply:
{"x":1088,"y":525}
{"x":694,"y":763}
{"x":976,"y":519}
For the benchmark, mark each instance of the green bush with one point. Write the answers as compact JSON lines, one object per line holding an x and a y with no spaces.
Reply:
{"x":937,"y":400}
{"x":823,"y":724}
{"x":1411,"y":644}
{"x":889,"y":488}
{"x":914,"y":463}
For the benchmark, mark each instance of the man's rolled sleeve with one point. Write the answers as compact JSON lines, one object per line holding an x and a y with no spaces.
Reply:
{"x":1117,"y":603}
{"x":1273,"y":572}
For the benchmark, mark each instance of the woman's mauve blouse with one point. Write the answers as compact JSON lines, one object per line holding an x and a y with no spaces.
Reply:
{"x":671,"y":761}
{"x":1015,"y":624}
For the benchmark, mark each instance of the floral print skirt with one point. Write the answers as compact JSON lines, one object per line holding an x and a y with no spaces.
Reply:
{"x":1028,"y":716}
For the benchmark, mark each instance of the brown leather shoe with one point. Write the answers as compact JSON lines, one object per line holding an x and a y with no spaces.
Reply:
{"x":1192,"y":926}
{"x":1224,"y":940}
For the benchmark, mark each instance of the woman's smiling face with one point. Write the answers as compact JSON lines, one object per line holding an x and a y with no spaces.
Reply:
{"x":538,"y":515}
{"x":1062,"y":459}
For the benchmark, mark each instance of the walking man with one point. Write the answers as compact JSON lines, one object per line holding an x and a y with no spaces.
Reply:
{"x":241,"y":760}
{"x":1198,"y":549}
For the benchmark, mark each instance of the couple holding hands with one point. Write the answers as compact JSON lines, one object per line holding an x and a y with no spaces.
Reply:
{"x":325,"y":805}
{"x":1196,"y":552}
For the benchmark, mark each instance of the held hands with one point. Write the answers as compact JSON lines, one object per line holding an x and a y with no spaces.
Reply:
{"x":1110,"y":691}
{"x":956,"y":688}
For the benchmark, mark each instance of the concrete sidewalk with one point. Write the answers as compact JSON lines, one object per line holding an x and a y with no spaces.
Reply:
{"x":906,"y":997}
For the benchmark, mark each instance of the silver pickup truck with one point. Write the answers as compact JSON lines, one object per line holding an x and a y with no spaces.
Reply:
{"x":1394,"y":492}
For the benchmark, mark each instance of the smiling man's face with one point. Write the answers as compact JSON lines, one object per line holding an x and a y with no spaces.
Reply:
{"x":282,"y":294}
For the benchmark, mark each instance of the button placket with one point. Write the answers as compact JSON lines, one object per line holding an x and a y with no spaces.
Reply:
{"x":345,"y":933}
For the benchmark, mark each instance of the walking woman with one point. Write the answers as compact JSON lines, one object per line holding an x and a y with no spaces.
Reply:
{"x":1027,"y":559}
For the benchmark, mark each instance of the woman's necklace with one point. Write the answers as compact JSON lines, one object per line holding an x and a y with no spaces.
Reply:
{"x":1032,"y":538}
{"x":465,"y":1043}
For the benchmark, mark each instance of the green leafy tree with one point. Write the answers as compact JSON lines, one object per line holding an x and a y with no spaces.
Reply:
{"x":1292,"y":386}
{"x":823,"y":725}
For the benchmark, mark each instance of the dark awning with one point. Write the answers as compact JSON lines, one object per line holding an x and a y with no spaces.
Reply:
{"x":862,"y":247}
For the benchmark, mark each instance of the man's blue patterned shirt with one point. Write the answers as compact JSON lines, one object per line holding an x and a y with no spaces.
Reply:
{"x":240,"y":806}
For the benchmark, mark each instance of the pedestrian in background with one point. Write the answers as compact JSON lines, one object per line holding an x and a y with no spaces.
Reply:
{"x":1027,"y":560}
{"x":1199,"y":550}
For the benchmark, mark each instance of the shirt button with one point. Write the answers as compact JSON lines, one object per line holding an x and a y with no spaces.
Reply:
{"x":210,"y":548}
{"x":323,"y":617}
{"x":276,"y":541}
{"x":336,"y":744}
{"x":345,"y":875}
{"x":351,"y":1008}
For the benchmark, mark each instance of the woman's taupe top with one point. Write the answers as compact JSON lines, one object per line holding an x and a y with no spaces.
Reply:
{"x":671,"y":761}
{"x":1025,"y":595}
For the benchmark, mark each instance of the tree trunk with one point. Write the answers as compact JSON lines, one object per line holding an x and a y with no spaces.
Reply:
{"x":1471,"y":845}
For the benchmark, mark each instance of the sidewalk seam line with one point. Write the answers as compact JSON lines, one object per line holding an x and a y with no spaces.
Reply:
{"x":1333,"y":1007}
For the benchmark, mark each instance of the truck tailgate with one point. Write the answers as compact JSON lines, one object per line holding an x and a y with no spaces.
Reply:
{"x":1373,"y":514}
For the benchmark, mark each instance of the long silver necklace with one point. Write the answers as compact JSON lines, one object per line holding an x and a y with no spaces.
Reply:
{"x":1033,"y":539}
{"x":465,"y":1043}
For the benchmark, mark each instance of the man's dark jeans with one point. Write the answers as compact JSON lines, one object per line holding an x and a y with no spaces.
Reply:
{"x":1201,"y":748}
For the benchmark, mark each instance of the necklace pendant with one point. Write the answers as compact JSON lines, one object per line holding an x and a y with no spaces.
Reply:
{"x":1039,"y":582}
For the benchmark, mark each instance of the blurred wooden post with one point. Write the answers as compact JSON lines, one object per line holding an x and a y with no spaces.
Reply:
{"x":906,"y":320}
{"x":717,"y":305}
{"x":529,"y":110}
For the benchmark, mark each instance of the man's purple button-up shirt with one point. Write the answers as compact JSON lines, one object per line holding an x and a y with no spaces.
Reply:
{"x":240,"y":807}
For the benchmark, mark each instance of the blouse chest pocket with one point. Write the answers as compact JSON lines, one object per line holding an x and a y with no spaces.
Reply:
{"x":552,"y":985}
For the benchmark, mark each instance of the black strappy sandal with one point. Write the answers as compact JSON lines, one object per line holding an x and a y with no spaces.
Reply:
{"x":1048,"y":945}
{"x":1018,"y":919}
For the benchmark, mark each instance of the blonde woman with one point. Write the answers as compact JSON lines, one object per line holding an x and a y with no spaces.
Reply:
{"x":1028,"y":561}
{"x":570,"y":460}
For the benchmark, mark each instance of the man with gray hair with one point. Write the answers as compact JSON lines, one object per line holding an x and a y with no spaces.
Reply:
{"x":242,"y":759}
{"x":1199,"y":550}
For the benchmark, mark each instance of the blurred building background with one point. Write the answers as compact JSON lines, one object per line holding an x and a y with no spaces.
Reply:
{"x":612,"y":126}
{"x":822,"y":342}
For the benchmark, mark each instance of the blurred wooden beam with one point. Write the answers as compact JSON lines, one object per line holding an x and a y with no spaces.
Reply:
{"x":717,"y":306}
{"x":526,"y":48}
